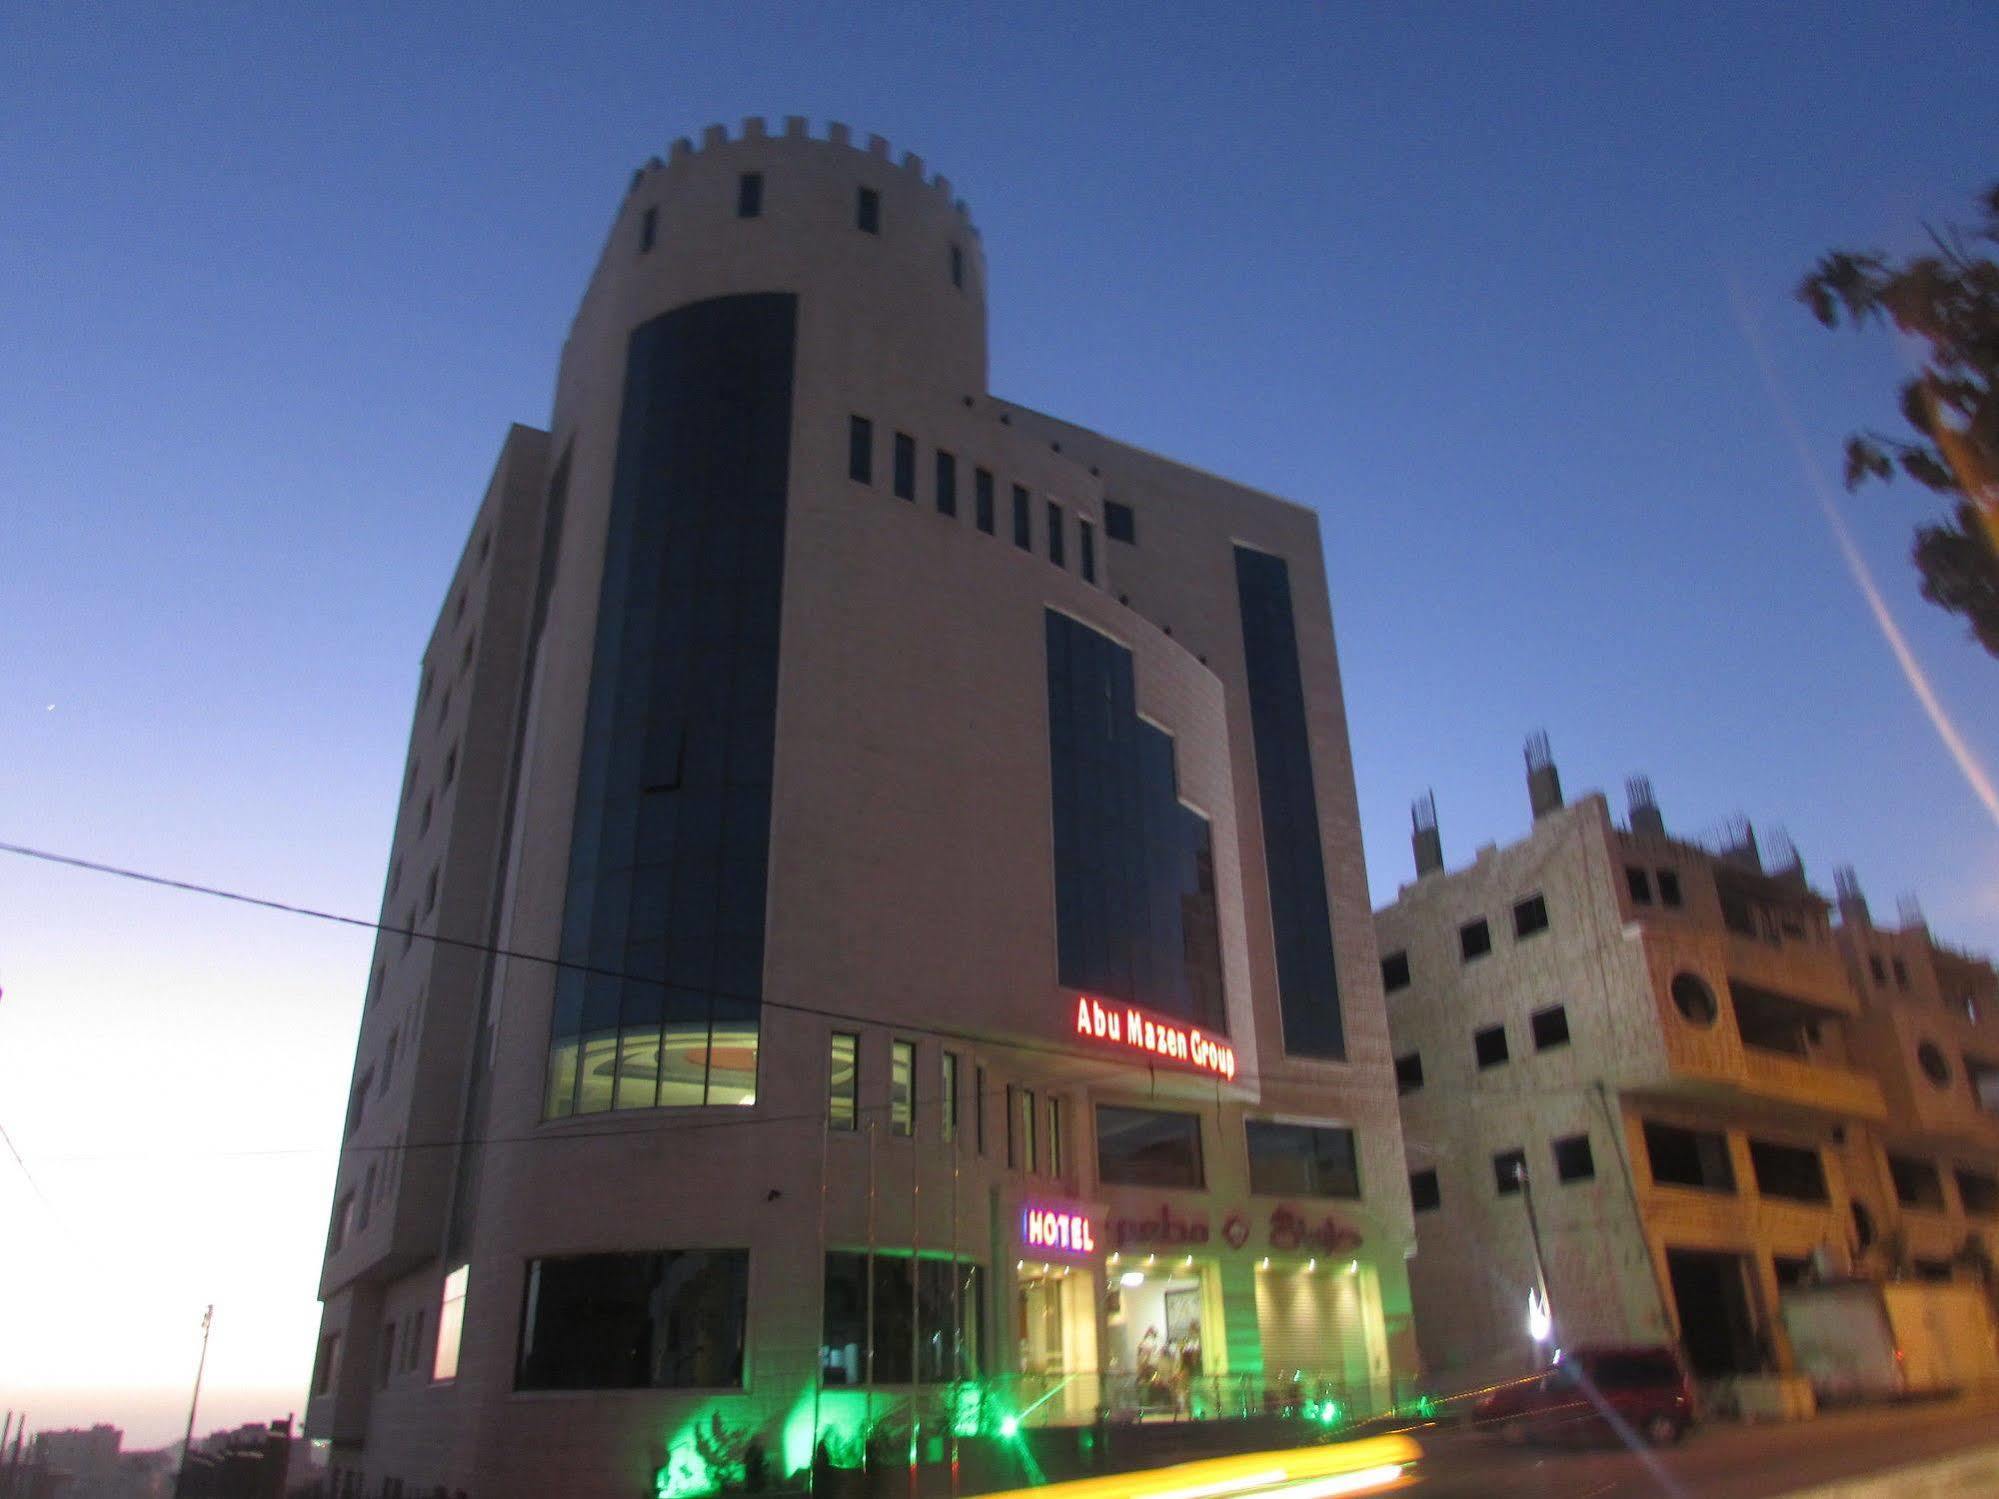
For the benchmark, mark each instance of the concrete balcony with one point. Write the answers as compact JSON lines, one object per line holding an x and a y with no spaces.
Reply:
{"x":1815,"y":1085}
{"x":1811,"y":971}
{"x":1714,"y":1067}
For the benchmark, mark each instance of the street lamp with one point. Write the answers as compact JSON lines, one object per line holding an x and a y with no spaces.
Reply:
{"x":1540,"y":1313}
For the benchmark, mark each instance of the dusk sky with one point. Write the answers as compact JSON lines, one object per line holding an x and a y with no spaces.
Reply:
{"x":1504,"y":292}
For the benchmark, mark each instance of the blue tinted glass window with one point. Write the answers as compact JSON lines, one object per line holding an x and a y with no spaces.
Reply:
{"x":669,"y":854}
{"x":1301,"y":925}
{"x":1135,"y":913}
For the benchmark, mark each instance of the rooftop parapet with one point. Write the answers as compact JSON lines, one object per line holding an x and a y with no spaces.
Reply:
{"x":797,"y":128}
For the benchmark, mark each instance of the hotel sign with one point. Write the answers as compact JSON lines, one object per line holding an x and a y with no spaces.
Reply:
{"x":1057,"y":1231}
{"x":1135,"y":1030}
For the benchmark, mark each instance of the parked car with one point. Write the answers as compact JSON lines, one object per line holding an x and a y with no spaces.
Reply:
{"x":1594,"y":1392}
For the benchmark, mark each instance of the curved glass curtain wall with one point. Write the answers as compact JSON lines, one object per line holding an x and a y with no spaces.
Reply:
{"x":664,"y":914}
{"x":1134,"y":865}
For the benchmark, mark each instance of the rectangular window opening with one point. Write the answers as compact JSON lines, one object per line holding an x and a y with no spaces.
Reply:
{"x":1119,"y":523}
{"x":982,"y":499}
{"x":1086,"y":549}
{"x":1489,"y":1045}
{"x":1530,"y":916}
{"x":750,"y":195}
{"x":1395,"y":972}
{"x":1148,"y":1148}
{"x":947,"y":483}
{"x":860,"y":450}
{"x":843,"y":1082}
{"x":1302,"y":1160}
{"x":1023,"y":523}
{"x":648,"y":230}
{"x":1409,"y":1072}
{"x":1689,"y":1157}
{"x":450,"y":1325}
{"x":1055,"y":534}
{"x":1551,"y":1027}
{"x":1574,"y":1161}
{"x":901,"y":1087}
{"x":1474,"y":939}
{"x":1507,"y":1166}
{"x":671,"y":1319}
{"x":1639,"y":883}
{"x":905,"y":466}
{"x":868,"y":211}
{"x":1669,"y":888}
{"x":1789,"y":1171}
{"x":1425,"y":1194}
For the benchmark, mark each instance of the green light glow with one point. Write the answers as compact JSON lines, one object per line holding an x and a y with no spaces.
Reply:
{"x":1010,"y":1427}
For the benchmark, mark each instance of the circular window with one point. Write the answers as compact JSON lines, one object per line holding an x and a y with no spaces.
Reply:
{"x":1935,"y":1068}
{"x":1693,"y":999}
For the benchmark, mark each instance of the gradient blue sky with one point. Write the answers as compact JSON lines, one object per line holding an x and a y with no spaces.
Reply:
{"x":1481,"y":283}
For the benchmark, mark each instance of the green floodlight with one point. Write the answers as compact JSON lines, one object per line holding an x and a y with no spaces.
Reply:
{"x":1010,"y":1427}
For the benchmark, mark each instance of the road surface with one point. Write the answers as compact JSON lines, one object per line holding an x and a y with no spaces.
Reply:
{"x":1714,"y":1462}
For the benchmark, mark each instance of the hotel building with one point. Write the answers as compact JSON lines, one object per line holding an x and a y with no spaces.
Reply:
{"x":876,"y":939}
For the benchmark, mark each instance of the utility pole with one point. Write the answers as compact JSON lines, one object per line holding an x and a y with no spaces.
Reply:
{"x":187,"y":1442}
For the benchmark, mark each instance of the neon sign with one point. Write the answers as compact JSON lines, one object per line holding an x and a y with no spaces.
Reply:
{"x":1057,"y":1230}
{"x":1132,"y":1028}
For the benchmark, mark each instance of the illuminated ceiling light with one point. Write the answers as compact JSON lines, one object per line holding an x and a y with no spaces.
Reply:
{"x":1115,"y":1257}
{"x":1151,"y":1259}
{"x":1312,"y":1264}
{"x":1132,"y":1278}
{"x":1264,"y":1263}
{"x":1020,"y":1264}
{"x":1353,"y":1267}
{"x":1187,"y":1261}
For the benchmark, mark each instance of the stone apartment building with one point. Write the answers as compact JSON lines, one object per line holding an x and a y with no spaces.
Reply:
{"x":1693,"y":1067}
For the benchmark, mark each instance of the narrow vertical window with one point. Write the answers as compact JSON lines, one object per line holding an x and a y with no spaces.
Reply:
{"x":982,"y":499}
{"x":979,"y":1109}
{"x":1086,"y":549}
{"x":947,"y":483}
{"x":860,"y":450}
{"x":868,"y":211}
{"x":1012,"y":1128}
{"x":843,"y":1082}
{"x":1027,"y":1130}
{"x":1023,"y":522}
{"x":1054,"y":1137}
{"x":905,"y":466}
{"x":1055,"y":534}
{"x":750,"y":195}
{"x":450,"y":1325}
{"x":902,"y":1087}
{"x":947,"y":1103}
{"x":648,"y":230}
{"x":958,"y":266}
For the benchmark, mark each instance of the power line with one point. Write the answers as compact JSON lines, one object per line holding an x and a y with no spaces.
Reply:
{"x":195,"y":887}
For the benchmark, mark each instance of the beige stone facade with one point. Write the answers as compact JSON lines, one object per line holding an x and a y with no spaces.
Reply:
{"x":910,"y":903}
{"x":1703,"y":1101}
